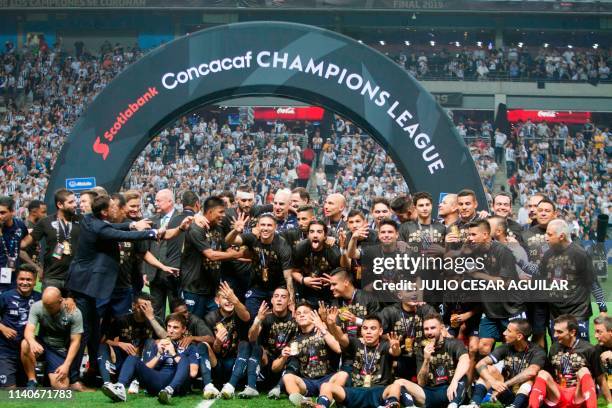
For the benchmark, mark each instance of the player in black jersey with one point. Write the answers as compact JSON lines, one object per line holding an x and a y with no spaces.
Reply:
{"x":510,"y":369}
{"x":573,"y":364}
{"x":603,"y":334}
{"x":305,"y":214}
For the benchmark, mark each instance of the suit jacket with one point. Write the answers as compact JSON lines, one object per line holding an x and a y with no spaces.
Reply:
{"x":94,"y":269}
{"x":169,"y":251}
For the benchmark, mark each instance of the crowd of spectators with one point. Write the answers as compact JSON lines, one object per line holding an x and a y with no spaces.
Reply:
{"x":205,"y":154}
{"x":508,"y":63}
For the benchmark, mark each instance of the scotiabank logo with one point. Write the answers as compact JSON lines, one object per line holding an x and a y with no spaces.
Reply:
{"x":124,"y":116}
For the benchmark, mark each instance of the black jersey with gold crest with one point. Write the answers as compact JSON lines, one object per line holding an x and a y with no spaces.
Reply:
{"x":269,"y":261}
{"x":314,"y":356}
{"x":443,"y":361}
{"x":420,"y":236}
{"x":605,"y":358}
{"x":407,"y":325}
{"x":372,"y":365}
{"x":516,"y":361}
{"x":566,"y":361}
{"x":234,"y":327}
{"x":361,"y":304}
{"x":535,"y":240}
{"x":315,"y":264}
{"x":277,"y":333}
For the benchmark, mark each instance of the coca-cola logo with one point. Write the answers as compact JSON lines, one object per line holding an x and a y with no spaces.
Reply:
{"x":547,"y":114}
{"x":285,"y":111}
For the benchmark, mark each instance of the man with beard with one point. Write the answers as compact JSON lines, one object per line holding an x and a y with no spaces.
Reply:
{"x":372,"y":365}
{"x":333,"y":209}
{"x":309,"y":356}
{"x":355,"y":220}
{"x":467,"y":205}
{"x":60,"y":232}
{"x":499,"y":264}
{"x":603,"y":334}
{"x":37,"y":210}
{"x":448,"y":210}
{"x":272,"y":331}
{"x":305,"y":214}
{"x":406,"y":320}
{"x":313,"y":261}
{"x":381,"y":209}
{"x":14,"y":309}
{"x":12,"y":232}
{"x":442,"y":365}
{"x":376,"y":254}
{"x":520,"y":362}
{"x":568,"y":261}
{"x":532,"y":207}
{"x":403,"y":209}
{"x":127,"y":335}
{"x":535,"y":240}
{"x":280,"y":208}
{"x":271,"y":259}
{"x":423,"y":232}
{"x":502,"y":207}
{"x":574,"y":363}
{"x":201,"y":260}
{"x":229,"y":323}
{"x":165,"y":368}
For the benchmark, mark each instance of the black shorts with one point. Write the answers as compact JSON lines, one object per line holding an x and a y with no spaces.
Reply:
{"x":10,"y":366}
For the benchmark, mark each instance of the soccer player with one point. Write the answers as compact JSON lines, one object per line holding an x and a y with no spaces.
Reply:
{"x":14,"y":309}
{"x":574,"y":363}
{"x":442,"y":366}
{"x":510,"y":369}
{"x":603,"y":333}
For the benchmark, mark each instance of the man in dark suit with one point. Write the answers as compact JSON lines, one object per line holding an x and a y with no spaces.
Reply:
{"x":94,"y":269}
{"x":163,"y":285}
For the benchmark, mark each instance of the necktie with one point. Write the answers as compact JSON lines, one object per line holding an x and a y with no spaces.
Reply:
{"x":164,"y":221}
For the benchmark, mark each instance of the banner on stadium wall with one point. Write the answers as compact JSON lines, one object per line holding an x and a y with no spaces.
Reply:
{"x":289,"y":113}
{"x":304,"y":63}
{"x":549,"y":116}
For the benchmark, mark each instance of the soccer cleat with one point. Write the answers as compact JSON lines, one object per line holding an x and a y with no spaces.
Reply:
{"x":165,"y":396}
{"x":210,"y":392}
{"x":227,"y":392}
{"x":393,"y":404}
{"x":134,"y":387}
{"x":31,"y":385}
{"x":296,"y":399}
{"x":275,"y":393}
{"x":115,"y":392}
{"x":308,"y":403}
{"x":248,"y":392}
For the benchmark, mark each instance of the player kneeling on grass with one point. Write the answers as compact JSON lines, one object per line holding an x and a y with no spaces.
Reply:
{"x":166,"y":368}
{"x":574,"y":363}
{"x":59,"y":339}
{"x":309,"y":356}
{"x":510,"y":369}
{"x":442,"y":365}
{"x":372,"y":366}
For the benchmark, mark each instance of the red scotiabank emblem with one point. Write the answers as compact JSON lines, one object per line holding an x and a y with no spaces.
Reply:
{"x":124,"y":116}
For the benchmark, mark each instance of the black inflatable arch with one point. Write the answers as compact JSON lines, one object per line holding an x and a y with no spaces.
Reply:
{"x":295,"y":61}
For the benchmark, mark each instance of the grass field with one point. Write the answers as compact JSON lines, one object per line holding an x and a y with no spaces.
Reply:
{"x":97,"y":399}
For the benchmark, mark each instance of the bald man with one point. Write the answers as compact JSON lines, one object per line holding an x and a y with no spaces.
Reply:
{"x":59,"y":339}
{"x":448,"y":210}
{"x":333,"y":210}
{"x":280,"y":208}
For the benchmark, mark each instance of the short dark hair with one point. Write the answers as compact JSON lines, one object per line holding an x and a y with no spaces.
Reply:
{"x":306,"y":207}
{"x":318,"y":222}
{"x":546,"y":200}
{"x":120,"y":198}
{"x":342,"y":272}
{"x":388,"y":221}
{"x":467,"y":192}
{"x":304,"y":194}
{"x":24,"y":267}
{"x":143,"y":296}
{"x":267,"y":215}
{"x":304,"y":303}
{"x":355,"y":213}
{"x":34,"y":205}
{"x":380,"y":200}
{"x":100,"y":203}
{"x":401,"y":204}
{"x":8,"y":202}
{"x":178,"y":302}
{"x":433,"y":316}
{"x":572,"y":322}
{"x":373,"y":316}
{"x":61,"y":195}
{"x":522,"y":326}
{"x":245,"y":188}
{"x":480,"y":224}
{"x":213,"y":202}
{"x":229,"y":195}
{"x":177,"y":317}
{"x":189,"y":199}
{"x":502,"y":194}
{"x":420,"y":196}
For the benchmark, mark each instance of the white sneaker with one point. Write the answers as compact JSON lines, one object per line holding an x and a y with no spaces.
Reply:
{"x":296,"y":399}
{"x":227,"y":392}
{"x":115,"y":392}
{"x":275,"y":393}
{"x":248,"y":392}
{"x":210,"y":392}
{"x":470,"y":405}
{"x":453,"y":405}
{"x":134,"y":387}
